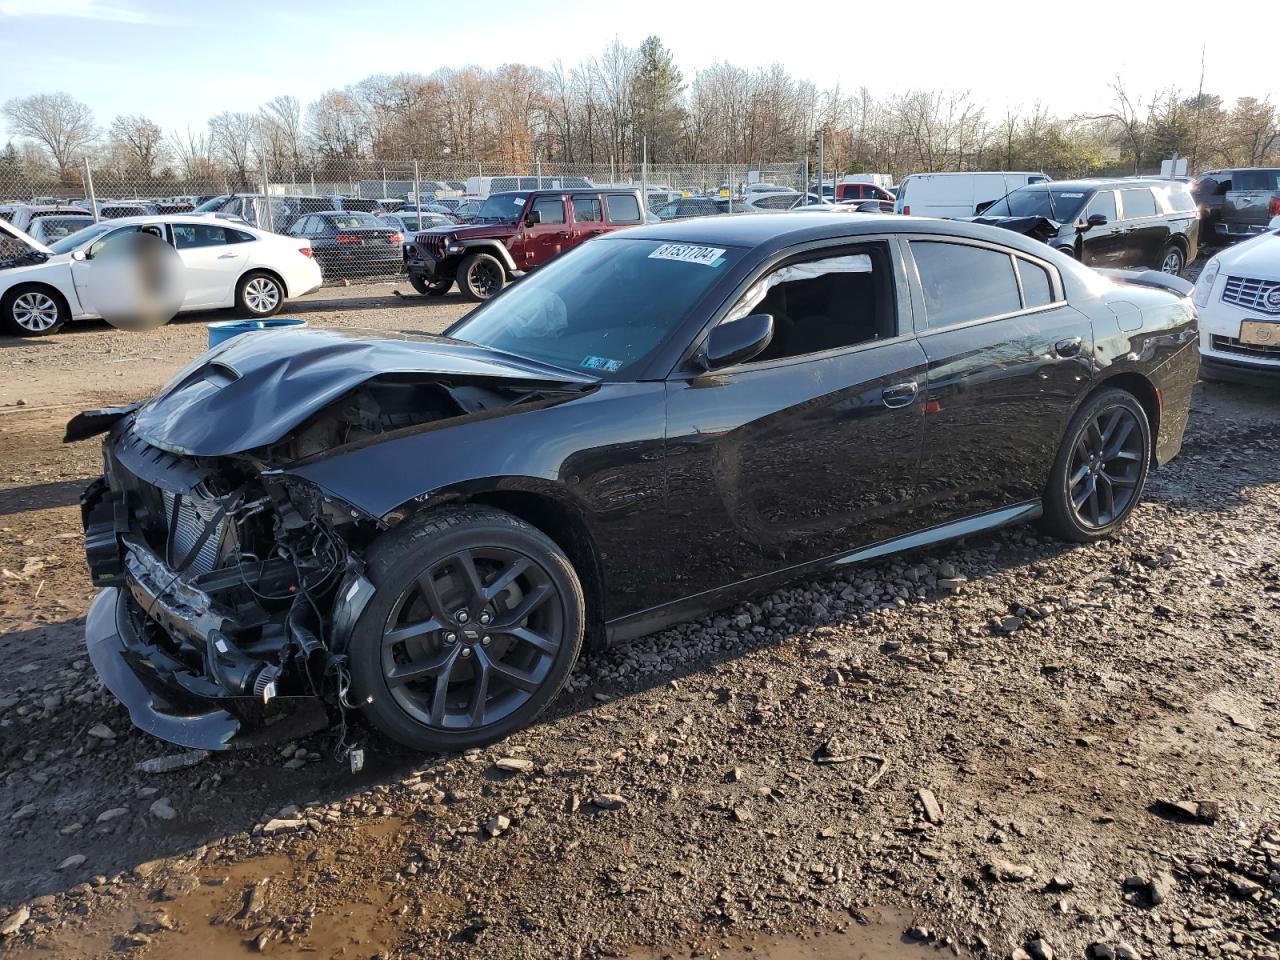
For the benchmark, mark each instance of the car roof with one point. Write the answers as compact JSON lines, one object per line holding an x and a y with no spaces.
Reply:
{"x":560,"y":191}
{"x":1095,"y":183}
{"x":779,"y":230}
{"x":178,"y":218}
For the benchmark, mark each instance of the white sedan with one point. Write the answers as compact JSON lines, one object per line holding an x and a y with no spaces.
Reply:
{"x":1238,"y":296}
{"x":225,"y":265}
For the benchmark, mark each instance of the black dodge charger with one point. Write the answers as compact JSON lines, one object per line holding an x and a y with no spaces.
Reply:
{"x":425,"y":529}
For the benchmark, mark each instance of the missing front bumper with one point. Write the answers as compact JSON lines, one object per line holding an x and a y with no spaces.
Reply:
{"x":166,"y":710}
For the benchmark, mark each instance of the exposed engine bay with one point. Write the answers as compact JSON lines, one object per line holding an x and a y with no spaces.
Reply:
{"x":233,"y":581}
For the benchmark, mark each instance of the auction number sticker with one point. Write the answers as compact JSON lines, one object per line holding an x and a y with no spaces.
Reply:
{"x":601,"y":363}
{"x":689,"y":253}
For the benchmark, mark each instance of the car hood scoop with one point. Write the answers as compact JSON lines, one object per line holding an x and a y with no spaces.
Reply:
{"x":256,"y":388}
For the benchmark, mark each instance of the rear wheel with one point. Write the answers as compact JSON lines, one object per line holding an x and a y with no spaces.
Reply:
{"x":431,"y":288}
{"x":1172,"y":261}
{"x":1101,"y":468}
{"x":473,"y":630}
{"x":259,"y":295}
{"x":32,"y":312}
{"x":481,"y":276}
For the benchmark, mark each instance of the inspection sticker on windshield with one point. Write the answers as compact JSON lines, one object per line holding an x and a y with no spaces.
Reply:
{"x":689,"y":253}
{"x":1073,"y":196}
{"x":601,"y":363}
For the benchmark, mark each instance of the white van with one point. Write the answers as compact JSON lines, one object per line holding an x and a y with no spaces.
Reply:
{"x":957,"y":194}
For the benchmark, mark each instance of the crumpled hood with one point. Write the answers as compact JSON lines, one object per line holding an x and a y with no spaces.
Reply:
{"x":254,"y":389}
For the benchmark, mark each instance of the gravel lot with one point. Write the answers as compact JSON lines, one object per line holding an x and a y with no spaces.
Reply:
{"x":1010,"y":744}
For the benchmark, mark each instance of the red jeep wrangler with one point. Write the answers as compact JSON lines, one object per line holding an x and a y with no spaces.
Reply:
{"x":513,"y":233}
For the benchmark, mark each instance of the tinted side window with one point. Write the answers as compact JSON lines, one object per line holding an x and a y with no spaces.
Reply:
{"x":188,"y":235}
{"x":587,"y":210}
{"x":1138,"y":203}
{"x":1037,"y":289}
{"x":549,"y":209}
{"x":623,"y":208}
{"x":1105,"y":204}
{"x":239,"y":236}
{"x":1180,"y":199}
{"x":963,"y":283}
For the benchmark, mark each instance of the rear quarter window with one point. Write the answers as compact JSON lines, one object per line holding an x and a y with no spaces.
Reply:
{"x":622,"y":208}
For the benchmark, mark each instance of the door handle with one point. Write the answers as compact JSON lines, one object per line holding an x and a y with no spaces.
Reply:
{"x":1066,"y":349}
{"x":899,"y":394}
{"x":228,"y":256}
{"x":565,"y":233}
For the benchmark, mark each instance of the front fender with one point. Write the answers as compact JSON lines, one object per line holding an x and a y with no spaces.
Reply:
{"x":493,"y":247}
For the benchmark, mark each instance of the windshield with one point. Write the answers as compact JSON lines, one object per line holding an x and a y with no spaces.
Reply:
{"x":78,"y":239}
{"x":1060,"y":204}
{"x":15,"y":251}
{"x":353,"y":221}
{"x":212,"y":206}
{"x":502,"y":206}
{"x":602,"y":309}
{"x":55,"y":228}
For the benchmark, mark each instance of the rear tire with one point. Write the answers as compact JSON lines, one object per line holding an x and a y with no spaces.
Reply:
{"x":1101,"y":468}
{"x":1172,"y":260}
{"x":33,"y":311}
{"x":481,"y":276}
{"x":431,"y":288}
{"x":259,"y":295}
{"x":478,"y":600}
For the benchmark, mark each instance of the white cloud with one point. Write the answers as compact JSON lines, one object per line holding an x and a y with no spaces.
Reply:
{"x":77,"y":9}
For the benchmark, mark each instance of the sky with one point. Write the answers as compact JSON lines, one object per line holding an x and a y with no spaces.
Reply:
{"x":180,"y":61}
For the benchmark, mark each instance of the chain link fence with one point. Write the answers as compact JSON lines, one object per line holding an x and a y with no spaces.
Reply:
{"x":354,"y":212}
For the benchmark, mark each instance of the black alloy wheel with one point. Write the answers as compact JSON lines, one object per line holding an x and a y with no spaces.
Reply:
{"x":472,"y":638}
{"x":1101,"y":468}
{"x":474,"y":626}
{"x":481,"y":276}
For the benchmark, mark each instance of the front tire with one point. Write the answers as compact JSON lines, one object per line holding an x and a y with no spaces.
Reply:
{"x":431,"y":288}
{"x":259,"y":295}
{"x":32,"y":311}
{"x":474,"y":627}
{"x":1101,"y":468}
{"x":481,"y":276}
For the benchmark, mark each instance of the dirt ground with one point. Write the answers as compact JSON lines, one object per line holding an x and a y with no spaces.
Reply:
{"x":1073,"y":753}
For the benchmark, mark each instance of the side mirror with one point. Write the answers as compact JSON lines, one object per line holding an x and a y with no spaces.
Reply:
{"x":982,"y":207}
{"x":533,"y":218}
{"x":739,"y":340}
{"x":78,"y":255}
{"x":1095,"y":220}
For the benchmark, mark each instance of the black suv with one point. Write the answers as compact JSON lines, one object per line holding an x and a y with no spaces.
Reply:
{"x":1107,"y":223}
{"x":1237,"y":203}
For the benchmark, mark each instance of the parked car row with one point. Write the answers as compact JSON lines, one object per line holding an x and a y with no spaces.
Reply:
{"x":224,"y":265}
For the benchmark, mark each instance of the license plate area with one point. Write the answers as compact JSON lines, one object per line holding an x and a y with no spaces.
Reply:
{"x":1260,"y":333}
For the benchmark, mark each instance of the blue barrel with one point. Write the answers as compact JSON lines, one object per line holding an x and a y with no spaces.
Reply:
{"x":224,"y":330}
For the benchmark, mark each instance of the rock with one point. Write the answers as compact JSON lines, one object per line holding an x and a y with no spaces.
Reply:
{"x":609,"y":801}
{"x":1059,"y":884}
{"x":932,"y":809}
{"x":1197,"y":811}
{"x":174,"y":761}
{"x":73,"y":861}
{"x":742,"y":814}
{"x":277,"y":825}
{"x":100,"y":731}
{"x":255,"y":898}
{"x":1160,"y":888}
{"x":513,"y":764}
{"x":1019,"y":954}
{"x":15,"y":921}
{"x":1006,"y":871}
{"x":106,"y":816}
{"x":155,"y":923}
{"x":1040,"y":950}
{"x":24,"y":811}
{"x":1244,"y":887}
{"x":1100,"y":951}
{"x":163,"y":809}
{"x":1010,"y":624}
{"x":497,"y":825}
{"x":1125,"y":951}
{"x":923,"y":934}
{"x":178,"y":886}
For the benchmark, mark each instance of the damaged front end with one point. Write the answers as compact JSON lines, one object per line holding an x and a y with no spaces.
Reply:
{"x":230,"y":586}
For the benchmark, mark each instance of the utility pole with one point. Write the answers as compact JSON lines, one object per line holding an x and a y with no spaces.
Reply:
{"x":88,"y":187}
{"x":822,"y":169}
{"x":644,"y":176}
{"x":417,"y":194}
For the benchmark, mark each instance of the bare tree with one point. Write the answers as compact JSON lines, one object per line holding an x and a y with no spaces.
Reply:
{"x":234,"y":137}
{"x":1127,"y":119}
{"x":62,"y":125}
{"x":141,"y":142}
